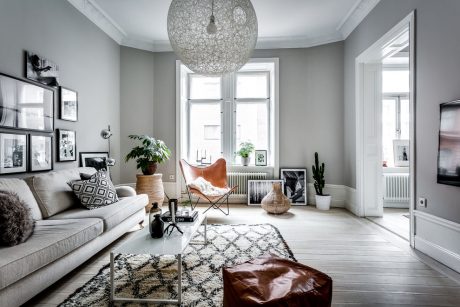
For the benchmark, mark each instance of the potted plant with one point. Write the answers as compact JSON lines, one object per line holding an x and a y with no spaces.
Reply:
{"x":246,"y":148}
{"x":149,"y":154}
{"x":323,"y":201}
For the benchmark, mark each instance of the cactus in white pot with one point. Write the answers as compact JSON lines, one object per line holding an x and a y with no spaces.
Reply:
{"x":323,"y":201}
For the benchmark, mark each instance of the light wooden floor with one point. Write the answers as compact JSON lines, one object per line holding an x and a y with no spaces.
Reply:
{"x":394,"y":220}
{"x":369,"y":265}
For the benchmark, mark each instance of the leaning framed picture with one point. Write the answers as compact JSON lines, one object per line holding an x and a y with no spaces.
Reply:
{"x":98,"y":160}
{"x":401,"y":152}
{"x":25,"y":105}
{"x":67,"y":145}
{"x":68,"y":107}
{"x":261,"y":157}
{"x":41,"y":153}
{"x":258,"y":189}
{"x":295,"y":183}
{"x":13,"y":153}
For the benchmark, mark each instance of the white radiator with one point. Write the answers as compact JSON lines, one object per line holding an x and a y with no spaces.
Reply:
{"x":396,"y":189}
{"x":241,"y":180}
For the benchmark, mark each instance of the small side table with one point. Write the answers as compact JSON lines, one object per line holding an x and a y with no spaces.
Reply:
{"x":152,"y":185}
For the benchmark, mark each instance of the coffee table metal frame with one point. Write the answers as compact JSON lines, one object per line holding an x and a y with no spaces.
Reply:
{"x":160,"y":247}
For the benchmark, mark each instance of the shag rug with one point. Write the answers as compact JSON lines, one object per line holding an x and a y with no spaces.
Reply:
{"x":147,"y":276}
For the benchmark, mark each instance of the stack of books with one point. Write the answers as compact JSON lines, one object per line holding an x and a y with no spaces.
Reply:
{"x":181,"y":216}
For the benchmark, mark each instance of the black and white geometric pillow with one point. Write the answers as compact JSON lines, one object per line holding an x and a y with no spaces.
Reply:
{"x":97,"y":191}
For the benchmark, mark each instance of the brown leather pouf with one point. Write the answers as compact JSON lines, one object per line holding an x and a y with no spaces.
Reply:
{"x":271,"y":281}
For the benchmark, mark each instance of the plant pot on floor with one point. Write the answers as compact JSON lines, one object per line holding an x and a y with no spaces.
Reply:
{"x":245,"y":161}
{"x":323,"y":202}
{"x":150,"y":169}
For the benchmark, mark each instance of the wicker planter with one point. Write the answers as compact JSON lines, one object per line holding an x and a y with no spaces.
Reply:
{"x":275,"y":202}
{"x":152,"y":185}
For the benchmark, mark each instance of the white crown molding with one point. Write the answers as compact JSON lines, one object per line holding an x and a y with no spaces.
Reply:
{"x":100,"y":18}
{"x":353,"y":18}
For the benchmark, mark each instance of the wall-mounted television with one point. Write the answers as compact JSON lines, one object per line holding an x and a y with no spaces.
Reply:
{"x":449,"y":144}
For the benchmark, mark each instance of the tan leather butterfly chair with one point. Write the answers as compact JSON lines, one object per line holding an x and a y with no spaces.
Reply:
{"x":216,"y":174}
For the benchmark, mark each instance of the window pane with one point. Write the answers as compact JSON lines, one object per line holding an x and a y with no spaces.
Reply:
{"x":205,"y":131}
{"x":202,"y":87}
{"x":388,"y":129}
{"x":252,"y":85}
{"x":404,"y":119}
{"x":395,"y":81}
{"x":252,"y":125}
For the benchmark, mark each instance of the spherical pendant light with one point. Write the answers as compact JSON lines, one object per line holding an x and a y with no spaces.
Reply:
{"x":212,"y":37}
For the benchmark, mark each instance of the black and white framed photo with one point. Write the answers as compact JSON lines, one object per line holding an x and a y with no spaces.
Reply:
{"x":98,"y":160}
{"x":261,"y":157}
{"x":295,"y":183}
{"x":69,"y":104}
{"x":13,"y":153}
{"x":41,"y":70}
{"x":401,"y":152}
{"x":41,"y":153}
{"x":25,"y":106}
{"x":67,"y":145}
{"x":258,"y":189}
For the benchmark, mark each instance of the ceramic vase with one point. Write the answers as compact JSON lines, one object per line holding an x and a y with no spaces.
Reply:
{"x":275,"y":202}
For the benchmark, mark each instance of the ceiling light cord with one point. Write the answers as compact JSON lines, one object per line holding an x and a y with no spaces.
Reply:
{"x":212,"y":28}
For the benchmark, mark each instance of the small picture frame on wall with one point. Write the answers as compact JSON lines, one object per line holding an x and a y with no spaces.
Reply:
{"x":295,"y":183}
{"x":98,"y":160}
{"x":68,"y":108}
{"x":401,"y":153}
{"x":67,"y":145}
{"x":41,"y":70}
{"x":261,"y":157}
{"x":41,"y":153}
{"x":13,"y":153}
{"x":258,"y":189}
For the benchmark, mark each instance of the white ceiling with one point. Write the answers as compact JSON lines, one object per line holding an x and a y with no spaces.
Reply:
{"x":282,"y":23}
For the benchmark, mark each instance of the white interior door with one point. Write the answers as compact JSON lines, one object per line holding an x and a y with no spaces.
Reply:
{"x":371,"y":184}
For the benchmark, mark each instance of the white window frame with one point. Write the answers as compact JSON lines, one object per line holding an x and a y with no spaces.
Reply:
{"x":229,"y":102}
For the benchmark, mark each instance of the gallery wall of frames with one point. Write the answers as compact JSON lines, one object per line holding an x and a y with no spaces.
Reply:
{"x":27,"y":118}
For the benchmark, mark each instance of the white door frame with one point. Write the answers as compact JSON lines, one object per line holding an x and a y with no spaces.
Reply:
{"x":374,"y":54}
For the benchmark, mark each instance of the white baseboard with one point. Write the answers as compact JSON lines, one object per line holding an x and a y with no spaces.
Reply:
{"x":351,"y":204}
{"x":438,"y":238}
{"x":337,"y":192}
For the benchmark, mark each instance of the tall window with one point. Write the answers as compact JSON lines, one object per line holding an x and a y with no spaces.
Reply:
{"x":219,"y":113}
{"x":395,"y":110}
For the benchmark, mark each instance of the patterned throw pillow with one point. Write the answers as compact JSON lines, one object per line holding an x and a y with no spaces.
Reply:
{"x":98,"y":191}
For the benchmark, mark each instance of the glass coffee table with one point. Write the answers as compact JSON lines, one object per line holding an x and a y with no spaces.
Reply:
{"x":143,"y":244}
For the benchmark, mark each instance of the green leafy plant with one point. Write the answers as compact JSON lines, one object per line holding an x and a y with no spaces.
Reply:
{"x":318,"y":175}
{"x":246,"y":148}
{"x":150,"y":151}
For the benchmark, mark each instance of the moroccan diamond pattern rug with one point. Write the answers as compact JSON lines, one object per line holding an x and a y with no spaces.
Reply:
{"x":147,"y":276}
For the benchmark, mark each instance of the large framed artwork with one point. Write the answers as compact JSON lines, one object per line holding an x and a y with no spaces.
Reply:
{"x":295,"y":183}
{"x":98,"y":160}
{"x":41,"y":70}
{"x":67,"y":145}
{"x":258,"y":189}
{"x":13,"y":153}
{"x":24,"y":105}
{"x":41,"y":153}
{"x":69,"y":104}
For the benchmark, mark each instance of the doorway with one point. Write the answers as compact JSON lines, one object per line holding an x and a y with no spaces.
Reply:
{"x":385,"y":130}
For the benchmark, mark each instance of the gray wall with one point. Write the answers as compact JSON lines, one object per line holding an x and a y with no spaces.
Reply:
{"x":89,"y":62}
{"x":437,"y":80}
{"x":311,"y":106}
{"x":136,"y":95}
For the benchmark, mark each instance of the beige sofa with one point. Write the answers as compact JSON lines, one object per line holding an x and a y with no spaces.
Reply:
{"x":65,"y":235}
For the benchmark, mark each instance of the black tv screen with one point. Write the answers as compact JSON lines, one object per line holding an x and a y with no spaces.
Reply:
{"x":449,"y":144}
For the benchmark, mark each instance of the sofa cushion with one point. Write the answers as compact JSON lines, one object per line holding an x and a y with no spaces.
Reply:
{"x":52,"y":192}
{"x":16,"y":221}
{"x":111,"y":215}
{"x":21,"y":188}
{"x":96,"y":192}
{"x":51,"y":240}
